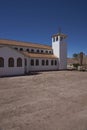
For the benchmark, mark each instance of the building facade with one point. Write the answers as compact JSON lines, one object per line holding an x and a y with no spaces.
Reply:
{"x":18,"y":58}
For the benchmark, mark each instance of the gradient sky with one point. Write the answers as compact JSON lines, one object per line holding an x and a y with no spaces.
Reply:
{"x":37,"y":20}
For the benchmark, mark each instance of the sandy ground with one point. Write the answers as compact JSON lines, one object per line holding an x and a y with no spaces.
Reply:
{"x":47,"y":101}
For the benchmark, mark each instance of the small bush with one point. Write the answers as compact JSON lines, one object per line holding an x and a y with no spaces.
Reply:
{"x":76,"y":65}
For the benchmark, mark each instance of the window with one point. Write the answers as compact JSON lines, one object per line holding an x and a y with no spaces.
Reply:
{"x":55,"y":62}
{"x":46,"y":62}
{"x":56,"y":38}
{"x":1,"y":62}
{"x":19,"y":62}
{"x":50,"y":52}
{"x":32,"y":62}
{"x":41,"y":51}
{"x":37,"y":62}
{"x":21,"y":49}
{"x":10,"y":62}
{"x":27,"y":50}
{"x":16,"y":48}
{"x":61,"y":38}
{"x":43,"y":62}
{"x":46,"y":51}
{"x":32,"y":50}
{"x":38,"y":51}
{"x":51,"y":62}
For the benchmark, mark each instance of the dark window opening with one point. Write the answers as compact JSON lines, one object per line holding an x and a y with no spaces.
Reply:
{"x":51,"y":62}
{"x":43,"y":62}
{"x":16,"y":48}
{"x":56,"y":38}
{"x":32,"y":50}
{"x":19,"y":62}
{"x":32,"y":62}
{"x":1,"y":62}
{"x":55,"y":62}
{"x":21,"y":49}
{"x":10,"y":62}
{"x":50,"y":52}
{"x":46,"y":51}
{"x":38,"y":51}
{"x":61,"y":38}
{"x":41,"y":51}
{"x":47,"y":62}
{"x":37,"y":62}
{"x":27,"y":50}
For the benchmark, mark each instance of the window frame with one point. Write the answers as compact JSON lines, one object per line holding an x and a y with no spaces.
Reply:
{"x":32,"y":62}
{"x":37,"y":62}
{"x":52,"y":62}
{"x":43,"y":62}
{"x":2,"y":62}
{"x":19,"y":62}
{"x":47,"y":62}
{"x":11,"y":62}
{"x":21,"y":49}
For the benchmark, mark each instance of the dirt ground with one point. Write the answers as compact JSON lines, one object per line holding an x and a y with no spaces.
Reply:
{"x":55,"y":100}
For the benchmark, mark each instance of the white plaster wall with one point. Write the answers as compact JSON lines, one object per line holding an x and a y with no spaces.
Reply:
{"x":55,"y":47}
{"x":60,"y":50}
{"x":6,"y":52}
{"x":41,"y":67}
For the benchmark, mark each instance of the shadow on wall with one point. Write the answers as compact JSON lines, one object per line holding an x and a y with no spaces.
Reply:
{"x":29,"y":74}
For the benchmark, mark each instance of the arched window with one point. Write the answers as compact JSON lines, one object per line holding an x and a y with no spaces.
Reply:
{"x":47,"y":62}
{"x":51,"y":62}
{"x":32,"y":62}
{"x":16,"y":48}
{"x":56,"y":38}
{"x":43,"y":62}
{"x":37,"y":62}
{"x":27,"y":50}
{"x":32,"y":50}
{"x":21,"y":49}
{"x":46,"y":51}
{"x":10,"y":62}
{"x":38,"y":51}
{"x":50,"y":52}
{"x":1,"y":62}
{"x":41,"y":51}
{"x":19,"y":62}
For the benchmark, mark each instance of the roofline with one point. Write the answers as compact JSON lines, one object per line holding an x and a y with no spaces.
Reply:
{"x":60,"y":34}
{"x":26,"y":42}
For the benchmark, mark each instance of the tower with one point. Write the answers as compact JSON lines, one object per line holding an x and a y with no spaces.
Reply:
{"x":59,"y":47}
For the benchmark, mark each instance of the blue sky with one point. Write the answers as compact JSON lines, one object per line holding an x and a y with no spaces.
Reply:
{"x":37,"y":20}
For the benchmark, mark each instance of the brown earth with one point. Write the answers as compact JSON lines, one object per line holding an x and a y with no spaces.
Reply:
{"x":55,"y":100}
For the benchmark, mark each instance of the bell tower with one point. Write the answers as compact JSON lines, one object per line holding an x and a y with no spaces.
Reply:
{"x":59,"y":47}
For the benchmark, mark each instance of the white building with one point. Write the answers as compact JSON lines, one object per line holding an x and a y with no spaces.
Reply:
{"x":17,"y":58}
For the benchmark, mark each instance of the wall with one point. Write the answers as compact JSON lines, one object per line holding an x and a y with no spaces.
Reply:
{"x":40,"y":67}
{"x":6,"y":52}
{"x":60,"y":50}
{"x":55,"y":47}
{"x":63,"y":56}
